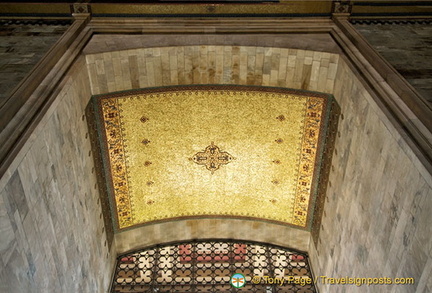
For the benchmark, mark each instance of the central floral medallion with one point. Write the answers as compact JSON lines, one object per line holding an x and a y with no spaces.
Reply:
{"x":212,"y":158}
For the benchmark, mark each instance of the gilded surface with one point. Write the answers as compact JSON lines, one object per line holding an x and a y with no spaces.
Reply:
{"x":117,"y":157}
{"x":273,"y":136}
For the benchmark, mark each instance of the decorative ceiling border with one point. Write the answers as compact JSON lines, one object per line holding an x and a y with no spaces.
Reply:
{"x":318,"y":183}
{"x":325,"y":167}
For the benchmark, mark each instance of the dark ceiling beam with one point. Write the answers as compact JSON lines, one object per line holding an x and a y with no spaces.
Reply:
{"x":319,"y":8}
{"x":291,"y":8}
{"x":286,"y":8}
{"x":391,"y":9}
{"x":35,"y":10}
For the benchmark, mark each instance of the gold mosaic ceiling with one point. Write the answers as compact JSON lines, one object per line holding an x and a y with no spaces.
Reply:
{"x":207,"y":151}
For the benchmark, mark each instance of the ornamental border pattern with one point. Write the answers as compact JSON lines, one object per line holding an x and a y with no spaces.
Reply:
{"x":118,"y":170}
{"x":307,"y":165}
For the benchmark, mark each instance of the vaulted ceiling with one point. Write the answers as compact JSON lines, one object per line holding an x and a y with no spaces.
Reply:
{"x":203,"y":151}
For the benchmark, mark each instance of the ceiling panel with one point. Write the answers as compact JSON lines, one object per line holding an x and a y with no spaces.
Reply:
{"x":207,"y":151}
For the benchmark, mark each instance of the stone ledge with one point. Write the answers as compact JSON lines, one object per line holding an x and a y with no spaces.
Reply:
{"x":221,"y":228}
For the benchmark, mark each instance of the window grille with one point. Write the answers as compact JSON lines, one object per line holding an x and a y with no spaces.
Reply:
{"x":207,"y":266}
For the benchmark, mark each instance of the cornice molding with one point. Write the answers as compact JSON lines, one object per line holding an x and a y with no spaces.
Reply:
{"x":33,"y":96}
{"x":409,"y":113}
{"x":289,"y":8}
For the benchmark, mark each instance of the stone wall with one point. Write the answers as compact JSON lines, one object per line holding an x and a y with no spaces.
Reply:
{"x":311,"y":41}
{"x":52,"y":237}
{"x":219,"y":228}
{"x":266,"y":66}
{"x":377,"y":218}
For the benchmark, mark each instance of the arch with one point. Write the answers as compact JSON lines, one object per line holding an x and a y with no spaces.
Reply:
{"x":159,"y":66}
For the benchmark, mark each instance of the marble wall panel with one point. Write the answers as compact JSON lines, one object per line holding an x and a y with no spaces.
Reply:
{"x":377,"y":215}
{"x":205,"y":64}
{"x":52,"y":237}
{"x":211,"y":228}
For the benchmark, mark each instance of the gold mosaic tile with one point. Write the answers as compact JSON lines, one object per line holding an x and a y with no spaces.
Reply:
{"x":212,"y":151}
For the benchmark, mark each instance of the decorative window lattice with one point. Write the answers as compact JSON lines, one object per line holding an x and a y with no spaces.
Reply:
{"x":207,"y":266}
